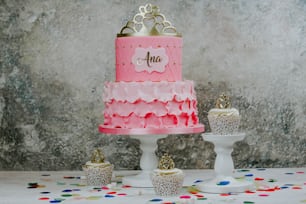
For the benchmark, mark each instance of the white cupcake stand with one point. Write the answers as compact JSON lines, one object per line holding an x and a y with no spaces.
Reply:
{"x":224,"y":182}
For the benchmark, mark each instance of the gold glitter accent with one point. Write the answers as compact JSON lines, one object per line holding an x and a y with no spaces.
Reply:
{"x":97,"y":156}
{"x":223,"y":102}
{"x":148,"y":22}
{"x":166,"y":162}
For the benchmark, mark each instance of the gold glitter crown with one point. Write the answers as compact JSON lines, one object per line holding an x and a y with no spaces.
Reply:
{"x":97,"y":156}
{"x":166,"y":163}
{"x":223,"y":102}
{"x":148,"y":22}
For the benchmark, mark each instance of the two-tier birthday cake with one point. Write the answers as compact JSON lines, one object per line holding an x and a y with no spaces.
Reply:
{"x":149,"y":95}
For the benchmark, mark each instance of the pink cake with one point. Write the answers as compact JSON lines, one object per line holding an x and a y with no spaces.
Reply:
{"x":149,"y":95}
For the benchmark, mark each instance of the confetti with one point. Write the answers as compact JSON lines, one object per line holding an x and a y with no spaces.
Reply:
{"x":223,"y":183}
{"x":284,"y":187}
{"x":263,"y":195}
{"x":67,"y":190}
{"x":296,"y":187}
{"x":259,"y":179}
{"x":35,"y":185}
{"x":69,"y":177}
{"x":93,"y":198}
{"x":248,"y":202}
{"x":272,"y":180}
{"x":249,"y":175}
{"x":103,"y":188}
{"x":112,"y":192}
{"x":198,"y":181}
{"x":55,"y":201}
{"x":243,"y":170}
{"x":45,"y":192}
{"x":109,"y":196}
{"x":156,"y":200}
{"x":225,"y":194}
{"x":66,"y":195}
{"x":185,"y":197}
{"x":43,"y":198}
{"x":289,"y":173}
{"x":249,"y":192}
{"x":61,"y":183}
{"x":261,"y":169}
{"x":199,"y":195}
{"x":201,"y":198}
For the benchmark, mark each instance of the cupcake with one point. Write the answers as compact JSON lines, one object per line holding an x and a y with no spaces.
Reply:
{"x":97,"y":171}
{"x":224,"y":119}
{"x":167,"y":180}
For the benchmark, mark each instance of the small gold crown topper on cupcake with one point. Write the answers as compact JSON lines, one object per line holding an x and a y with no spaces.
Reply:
{"x":223,"y":102}
{"x":166,"y":162}
{"x":148,"y":22}
{"x":97,"y":157}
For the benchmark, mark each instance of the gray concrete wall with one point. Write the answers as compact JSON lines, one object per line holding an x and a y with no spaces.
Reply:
{"x":55,"y":56}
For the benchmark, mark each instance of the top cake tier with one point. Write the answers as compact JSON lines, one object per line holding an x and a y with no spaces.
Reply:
{"x":148,"y":48}
{"x":148,"y":58}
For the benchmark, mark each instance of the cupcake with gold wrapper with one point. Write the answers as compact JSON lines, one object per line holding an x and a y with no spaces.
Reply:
{"x":98,"y":172}
{"x":167,"y":180}
{"x":224,"y":119}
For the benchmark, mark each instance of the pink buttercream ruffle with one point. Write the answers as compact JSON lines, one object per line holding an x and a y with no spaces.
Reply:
{"x":149,"y":104}
{"x":149,"y":91}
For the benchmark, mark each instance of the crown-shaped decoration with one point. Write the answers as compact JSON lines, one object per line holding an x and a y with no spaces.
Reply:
{"x":97,"y":156}
{"x":166,"y":162}
{"x":148,"y":22}
{"x":223,"y":102}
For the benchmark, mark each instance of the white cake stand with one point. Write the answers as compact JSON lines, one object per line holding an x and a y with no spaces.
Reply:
{"x":148,"y":161}
{"x":148,"y":138}
{"x":224,"y":182}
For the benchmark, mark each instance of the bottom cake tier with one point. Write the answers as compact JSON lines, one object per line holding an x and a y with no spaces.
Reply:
{"x":150,"y":105}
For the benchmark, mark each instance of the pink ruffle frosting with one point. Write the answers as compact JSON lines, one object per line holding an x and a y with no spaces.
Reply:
{"x":150,"y":105}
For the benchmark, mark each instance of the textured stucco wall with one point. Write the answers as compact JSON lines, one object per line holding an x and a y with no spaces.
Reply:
{"x":55,"y":56}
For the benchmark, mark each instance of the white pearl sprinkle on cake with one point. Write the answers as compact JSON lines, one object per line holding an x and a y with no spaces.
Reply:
{"x":98,"y":172}
{"x":167,"y":180}
{"x":223,"y":119}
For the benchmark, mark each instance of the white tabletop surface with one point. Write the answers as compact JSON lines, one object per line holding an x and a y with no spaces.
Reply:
{"x":273,"y":186}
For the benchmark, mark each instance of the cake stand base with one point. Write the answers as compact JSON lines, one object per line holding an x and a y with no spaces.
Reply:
{"x":219,"y":185}
{"x":224,"y":166}
{"x":148,"y":161}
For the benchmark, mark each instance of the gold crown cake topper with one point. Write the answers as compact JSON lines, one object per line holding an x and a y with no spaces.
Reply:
{"x":223,"y":102}
{"x":166,"y":162}
{"x":97,"y":156}
{"x":148,"y":22}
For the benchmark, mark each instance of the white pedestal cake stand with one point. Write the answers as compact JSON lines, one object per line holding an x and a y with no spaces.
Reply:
{"x":148,"y":161}
{"x":148,"y":142}
{"x":224,"y":182}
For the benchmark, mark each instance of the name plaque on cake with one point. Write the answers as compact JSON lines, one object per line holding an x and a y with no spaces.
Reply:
{"x":150,"y":59}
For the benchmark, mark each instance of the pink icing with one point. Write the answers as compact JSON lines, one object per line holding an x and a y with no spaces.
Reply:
{"x":153,"y":131}
{"x":150,"y":105}
{"x":149,"y":91}
{"x":166,"y":47}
